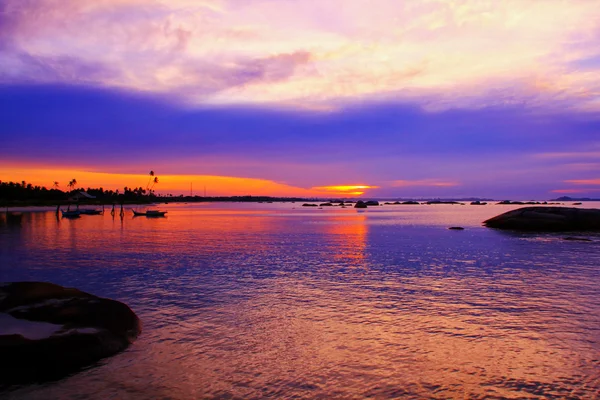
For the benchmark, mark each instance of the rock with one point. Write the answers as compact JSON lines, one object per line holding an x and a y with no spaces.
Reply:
{"x":49,"y":331}
{"x":410,"y":202}
{"x":309,"y":205}
{"x":579,"y":239}
{"x":325,"y":205}
{"x":478,"y":203}
{"x":360,"y":204}
{"x":457,"y":228}
{"x":545,"y":218}
{"x":443,"y":202}
{"x":372,"y":203}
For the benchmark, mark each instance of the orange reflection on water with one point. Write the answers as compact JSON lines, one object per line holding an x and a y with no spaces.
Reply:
{"x":351,"y":232}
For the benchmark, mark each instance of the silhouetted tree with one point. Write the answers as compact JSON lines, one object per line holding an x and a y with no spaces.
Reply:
{"x":150,"y":179}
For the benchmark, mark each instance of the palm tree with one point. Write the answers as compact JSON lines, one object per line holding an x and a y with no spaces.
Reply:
{"x":55,"y":185}
{"x":72,"y":184}
{"x":154,"y":182}
{"x":150,"y":179}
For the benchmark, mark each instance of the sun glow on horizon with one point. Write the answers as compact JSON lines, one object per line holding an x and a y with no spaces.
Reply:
{"x":174,"y":184}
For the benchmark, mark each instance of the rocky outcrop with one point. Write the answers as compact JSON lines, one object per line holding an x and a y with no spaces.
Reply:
{"x":547,"y":219}
{"x":48,"y":331}
{"x":360,"y":204}
{"x":372,"y":203}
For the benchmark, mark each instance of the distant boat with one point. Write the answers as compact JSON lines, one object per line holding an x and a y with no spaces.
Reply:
{"x":90,"y":212}
{"x":71,"y":214}
{"x":149,"y":213}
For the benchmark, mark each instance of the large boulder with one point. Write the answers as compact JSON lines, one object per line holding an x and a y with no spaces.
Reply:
{"x":547,"y":219}
{"x":48,"y":331}
{"x":360,"y":204}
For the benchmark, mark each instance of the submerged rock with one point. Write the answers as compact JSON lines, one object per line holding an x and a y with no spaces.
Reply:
{"x":478,"y":203}
{"x":547,"y":219}
{"x":48,"y":331}
{"x":457,"y":228}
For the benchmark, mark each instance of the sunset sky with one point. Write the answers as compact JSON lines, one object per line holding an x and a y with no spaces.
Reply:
{"x":304,"y":98}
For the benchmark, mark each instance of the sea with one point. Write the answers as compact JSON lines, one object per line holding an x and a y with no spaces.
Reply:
{"x":276,"y":300}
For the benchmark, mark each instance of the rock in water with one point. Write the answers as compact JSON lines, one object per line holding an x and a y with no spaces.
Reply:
{"x":49,"y":331}
{"x":360,"y":204}
{"x":547,"y":219}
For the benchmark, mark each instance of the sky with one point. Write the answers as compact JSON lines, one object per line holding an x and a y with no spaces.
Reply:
{"x":337,"y":98}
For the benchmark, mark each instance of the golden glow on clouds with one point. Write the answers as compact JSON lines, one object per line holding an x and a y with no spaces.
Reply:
{"x":438,"y":53}
{"x":173,"y":184}
{"x":345,"y":190}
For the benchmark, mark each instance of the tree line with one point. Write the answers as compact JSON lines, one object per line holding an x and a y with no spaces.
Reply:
{"x":23,"y":191}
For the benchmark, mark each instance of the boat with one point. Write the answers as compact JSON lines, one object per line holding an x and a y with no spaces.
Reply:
{"x":149,"y":213}
{"x":70,"y":214}
{"x":90,"y":212}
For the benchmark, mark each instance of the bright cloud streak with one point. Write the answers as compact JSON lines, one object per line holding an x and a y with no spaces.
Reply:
{"x":584,"y":181}
{"x":438,"y":53}
{"x":173,"y":184}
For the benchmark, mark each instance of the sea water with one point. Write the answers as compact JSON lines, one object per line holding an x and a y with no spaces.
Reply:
{"x":277,"y":300}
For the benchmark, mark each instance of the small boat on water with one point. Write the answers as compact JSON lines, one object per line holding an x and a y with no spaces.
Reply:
{"x":71,"y":214}
{"x":149,"y":213}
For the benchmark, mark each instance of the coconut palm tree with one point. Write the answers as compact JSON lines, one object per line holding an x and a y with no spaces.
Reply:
{"x":55,"y":185}
{"x":72,"y":184}
{"x":150,"y":179}
{"x":154,"y":182}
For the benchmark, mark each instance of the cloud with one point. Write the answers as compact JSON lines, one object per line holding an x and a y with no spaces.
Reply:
{"x":423,"y":182}
{"x":437,"y":54}
{"x":584,"y":181}
{"x":574,"y":191}
{"x":345,"y":190}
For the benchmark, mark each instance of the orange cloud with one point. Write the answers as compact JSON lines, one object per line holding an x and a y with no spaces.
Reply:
{"x":424,"y":182}
{"x":174,"y":184}
{"x":345,"y":190}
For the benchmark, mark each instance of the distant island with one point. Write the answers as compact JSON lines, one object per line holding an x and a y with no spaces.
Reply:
{"x":567,"y":198}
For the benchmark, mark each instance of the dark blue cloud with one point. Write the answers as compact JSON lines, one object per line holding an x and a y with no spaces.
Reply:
{"x":96,"y":127}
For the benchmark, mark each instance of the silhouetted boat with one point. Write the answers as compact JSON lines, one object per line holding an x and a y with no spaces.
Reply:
{"x":149,"y":213}
{"x":71,"y":214}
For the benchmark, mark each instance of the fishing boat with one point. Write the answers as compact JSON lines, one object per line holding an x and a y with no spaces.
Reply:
{"x":71,"y":214}
{"x":149,"y":213}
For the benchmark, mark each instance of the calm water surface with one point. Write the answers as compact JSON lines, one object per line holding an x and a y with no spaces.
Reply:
{"x":275,"y":300}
